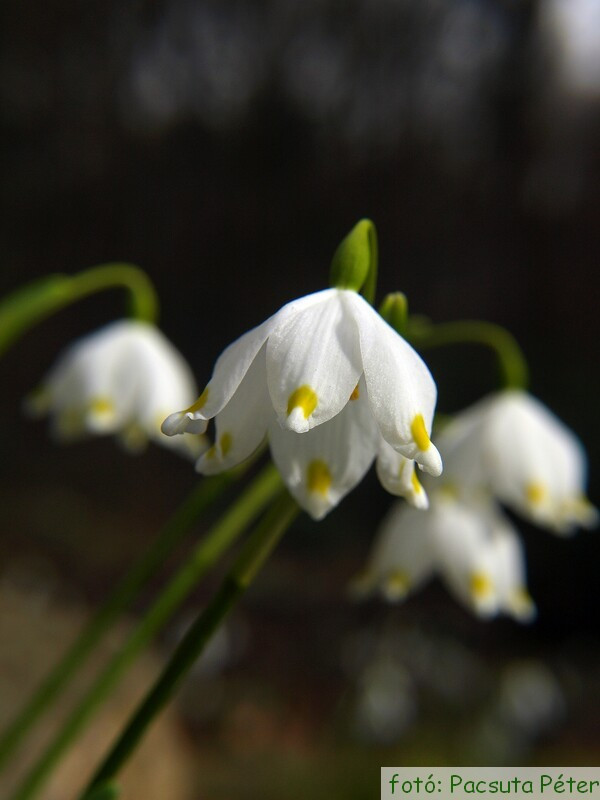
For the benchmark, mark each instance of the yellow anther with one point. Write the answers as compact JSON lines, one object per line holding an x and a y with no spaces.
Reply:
{"x":101,"y":406}
{"x":305,"y":398}
{"x":199,"y":404}
{"x":397,"y":584}
{"x":318,"y":477}
{"x":481,"y":585}
{"x":535,"y":493}
{"x":415,"y":483}
{"x":419,"y":432}
{"x":355,"y":393}
{"x":225,"y":443}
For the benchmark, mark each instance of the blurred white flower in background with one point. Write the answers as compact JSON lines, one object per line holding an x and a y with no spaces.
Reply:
{"x":511,"y":446}
{"x":507,"y":448}
{"x":473,"y":548}
{"x":334,"y":386}
{"x":121,"y":379}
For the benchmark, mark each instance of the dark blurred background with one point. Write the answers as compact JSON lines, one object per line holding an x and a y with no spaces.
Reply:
{"x":226,"y":148}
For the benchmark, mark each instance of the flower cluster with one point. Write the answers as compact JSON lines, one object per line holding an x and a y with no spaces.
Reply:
{"x":333,"y":386}
{"x":506,"y":449}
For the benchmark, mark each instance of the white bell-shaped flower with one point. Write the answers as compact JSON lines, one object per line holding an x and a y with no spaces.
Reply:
{"x":333,"y":386}
{"x":305,"y":362}
{"x":473,"y":548}
{"x":121,"y":379}
{"x":511,"y":445}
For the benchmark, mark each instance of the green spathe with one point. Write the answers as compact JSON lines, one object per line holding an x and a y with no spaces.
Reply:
{"x":354,"y":264}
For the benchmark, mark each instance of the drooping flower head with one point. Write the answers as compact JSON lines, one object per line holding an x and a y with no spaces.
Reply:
{"x":121,"y":379}
{"x":512,"y":446}
{"x":334,"y":385}
{"x":472,"y":547}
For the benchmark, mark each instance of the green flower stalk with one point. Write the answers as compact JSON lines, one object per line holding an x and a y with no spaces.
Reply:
{"x":257,"y":549}
{"x":511,"y":361}
{"x":33,"y":303}
{"x":265,"y":487}
{"x":201,"y":497}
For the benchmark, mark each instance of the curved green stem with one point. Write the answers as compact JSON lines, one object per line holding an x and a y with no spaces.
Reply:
{"x":258,"y":547}
{"x":252,"y":501}
{"x":201,"y":497}
{"x":36,"y":301}
{"x":511,"y":361}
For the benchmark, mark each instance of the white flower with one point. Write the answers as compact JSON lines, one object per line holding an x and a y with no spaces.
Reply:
{"x":333,"y":385}
{"x":121,"y":380}
{"x":513,"y":447}
{"x":473,"y":548}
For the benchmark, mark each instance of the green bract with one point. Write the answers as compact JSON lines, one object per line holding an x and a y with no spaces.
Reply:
{"x":354,"y":264}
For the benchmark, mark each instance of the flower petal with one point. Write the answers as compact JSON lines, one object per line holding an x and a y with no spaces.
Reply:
{"x":509,"y":564}
{"x":397,"y":475}
{"x":313,"y":362}
{"x":229,"y":371}
{"x":402,"y":558}
{"x":322,"y":465}
{"x":401,"y":390}
{"x":535,"y":463}
{"x":461,"y":538}
{"x":242,"y":425}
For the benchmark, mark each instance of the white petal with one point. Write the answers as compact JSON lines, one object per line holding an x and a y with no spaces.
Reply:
{"x":461,"y":537}
{"x":535,"y":463}
{"x":242,"y":425}
{"x":509,"y":565}
{"x":313,"y":362}
{"x":230,"y":368}
{"x":321,"y":466}
{"x":403,"y":556}
{"x":397,"y":475}
{"x":401,"y":390}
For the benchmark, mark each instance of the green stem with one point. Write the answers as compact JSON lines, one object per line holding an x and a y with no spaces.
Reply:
{"x":262,"y":490}
{"x":202,"y":496}
{"x":36,"y":301}
{"x":258,"y":547}
{"x":511,"y":361}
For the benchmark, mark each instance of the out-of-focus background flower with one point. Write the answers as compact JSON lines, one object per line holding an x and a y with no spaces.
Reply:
{"x":226,"y":147}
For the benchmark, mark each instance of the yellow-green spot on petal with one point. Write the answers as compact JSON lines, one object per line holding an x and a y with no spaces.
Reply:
{"x":305,"y":398}
{"x":225,"y":443}
{"x":199,"y":404}
{"x":535,"y":493}
{"x":397,"y":584}
{"x":402,"y":467}
{"x":520,"y":600}
{"x":102,"y":406}
{"x":415,"y":483}
{"x":449,"y":491}
{"x":318,"y":477}
{"x":355,"y":393}
{"x":480,"y":585}
{"x":419,"y":432}
{"x":211,"y":452}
